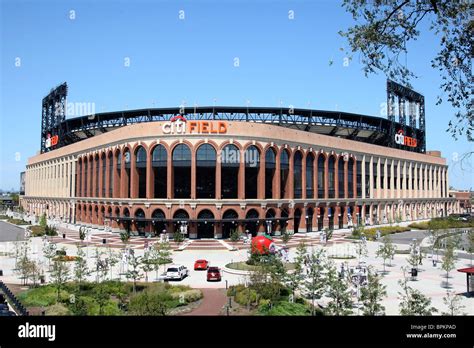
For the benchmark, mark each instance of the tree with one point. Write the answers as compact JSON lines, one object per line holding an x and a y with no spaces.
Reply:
{"x":152,"y":301}
{"x":339,"y":293}
{"x":101,"y":296}
{"x":147,"y":264}
{"x":386,"y":27}
{"x":266,"y":279}
{"x":178,"y":237}
{"x":49,"y":251}
{"x":42,"y":221}
{"x":81,"y":270}
{"x":386,"y":250}
{"x":59,"y":275}
{"x":453,"y":302}
{"x":82,"y":233}
{"x":285,"y":236}
{"x":414,"y":259}
{"x":124,"y":237}
{"x":372,"y":294}
{"x":361,"y":249}
{"x":329,"y":233}
{"x":315,"y":281}
{"x":413,"y":302}
{"x":101,"y":266}
{"x":293,"y":279}
{"x":134,"y":273}
{"x":163,"y":255}
{"x":112,"y":260}
{"x":234,"y":236}
{"x":448,"y":260}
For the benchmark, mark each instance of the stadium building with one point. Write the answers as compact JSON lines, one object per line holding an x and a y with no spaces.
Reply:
{"x":209,"y":170}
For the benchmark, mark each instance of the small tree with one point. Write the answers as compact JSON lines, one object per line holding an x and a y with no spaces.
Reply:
{"x":413,"y":302}
{"x":448,"y":260}
{"x":294,"y":279}
{"x":101,"y":296}
{"x":361,"y":249}
{"x":49,"y":251}
{"x":453,"y":302}
{"x":285,"y":236}
{"x":82,"y":233}
{"x":134,"y":272}
{"x":81,"y":270}
{"x":43,"y":222}
{"x":372,"y":294}
{"x":234,"y":236}
{"x":358,"y":230}
{"x":124,"y":237}
{"x":414,"y":259}
{"x":59,"y":275}
{"x":112,"y":260}
{"x":164,"y":255}
{"x":315,"y":281}
{"x":329,"y":233}
{"x":178,"y":237}
{"x":386,"y":250}
{"x":147,"y":263}
{"x":338,"y":291}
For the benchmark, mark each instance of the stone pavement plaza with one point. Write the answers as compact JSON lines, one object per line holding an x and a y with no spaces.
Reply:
{"x":430,"y":280}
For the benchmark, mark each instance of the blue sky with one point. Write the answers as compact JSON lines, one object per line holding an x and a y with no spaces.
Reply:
{"x":192,"y":59}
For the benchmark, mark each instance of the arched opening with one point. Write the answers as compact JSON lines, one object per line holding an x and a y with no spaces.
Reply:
{"x":331,"y":177}
{"x":97,"y":175}
{"x":118,"y":173}
{"x":309,"y":219}
{"x":331,"y":217}
{"x":86,"y":178}
{"x":102,"y":215}
{"x":205,"y":224}
{"x":140,"y":222}
{"x":296,"y":220}
{"x":284,"y":220}
{"x":158,"y":221}
{"x":126,"y":222}
{"x":321,"y":212}
{"x":127,"y":158}
{"x":206,"y":171}
{"x":350,"y":178}
{"x":104,"y":172}
{"x":253,"y":221}
{"x":229,"y":222}
{"x":284,"y":172}
{"x":79,"y":178}
{"x":298,"y":174}
{"x":270,"y":166}
{"x":340,"y":177}
{"x":159,"y":171}
{"x":309,"y":175}
{"x":182,"y":171}
{"x":140,"y":164}
{"x":230,"y":159}
{"x":252,"y":167}
{"x":270,"y":222}
{"x":181,"y":221}
{"x":321,"y":178}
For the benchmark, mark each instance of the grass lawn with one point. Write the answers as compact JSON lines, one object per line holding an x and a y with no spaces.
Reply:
{"x":243,"y":266}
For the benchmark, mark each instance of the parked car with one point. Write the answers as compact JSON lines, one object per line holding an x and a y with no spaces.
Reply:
{"x":214,"y":273}
{"x":176,"y":272}
{"x":201,"y":265}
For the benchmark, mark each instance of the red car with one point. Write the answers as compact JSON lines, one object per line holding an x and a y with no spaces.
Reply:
{"x":201,"y":265}
{"x":214,"y":273}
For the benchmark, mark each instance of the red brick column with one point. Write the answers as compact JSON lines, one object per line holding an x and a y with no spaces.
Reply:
{"x":336,"y":181}
{"x":107,"y":174}
{"x":123,"y":179}
{"x":326,"y":178}
{"x":116,"y":189}
{"x":291,"y":178}
{"x":291,"y":222}
{"x":102,"y":161}
{"x":150,"y":183}
{"x":346,"y":176}
{"x":344,"y":217}
{"x":315,"y":177}
{"x":261,"y":177}
{"x":276,"y":177}
{"x":337,"y":211}
{"x":354,"y":178}
{"x":169,"y":176}
{"x":326,"y":217}
{"x":94,"y":176}
{"x":218,"y":177}
{"x":193,"y":175}
{"x":83,"y":178}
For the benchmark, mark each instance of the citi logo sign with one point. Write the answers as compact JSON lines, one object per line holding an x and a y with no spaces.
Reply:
{"x":37,"y":331}
{"x":180,"y":125}
{"x":51,"y":140}
{"x":402,"y":139}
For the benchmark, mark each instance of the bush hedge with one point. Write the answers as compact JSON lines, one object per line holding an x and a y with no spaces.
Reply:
{"x":442,"y":224}
{"x":18,"y":221}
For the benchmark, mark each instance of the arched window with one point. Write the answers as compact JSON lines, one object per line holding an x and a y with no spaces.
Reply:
{"x":230,"y":159}
{"x":340,"y":177}
{"x":206,"y":171}
{"x":159,"y":165}
{"x":331,"y":177}
{"x":270,"y":166}
{"x":141,"y":171}
{"x":350,"y":177}
{"x":252,"y":166}
{"x":284,"y":172}
{"x":118,"y":157}
{"x":321,"y":177}
{"x":182,"y":171}
{"x":298,"y":174}
{"x":309,"y":175}
{"x":86,"y":178}
{"x":97,"y":175}
{"x":79,"y":178}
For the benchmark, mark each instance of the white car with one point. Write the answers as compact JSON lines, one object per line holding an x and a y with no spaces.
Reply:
{"x":176,"y":272}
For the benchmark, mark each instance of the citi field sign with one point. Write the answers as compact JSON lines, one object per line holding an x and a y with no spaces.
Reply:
{"x":402,"y":139}
{"x":179,"y":125}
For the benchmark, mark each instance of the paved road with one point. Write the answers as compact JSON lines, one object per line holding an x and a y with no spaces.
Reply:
{"x":11,"y":233}
{"x":407,"y":237}
{"x":212,"y":302}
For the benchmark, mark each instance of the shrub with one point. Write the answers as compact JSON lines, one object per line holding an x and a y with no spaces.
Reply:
{"x":18,"y":222}
{"x":57,"y":309}
{"x":37,"y":231}
{"x":371,"y":232}
{"x":419,"y":225}
{"x":286,"y":308}
{"x":188,"y":296}
{"x":246,"y":296}
{"x":42,"y":296}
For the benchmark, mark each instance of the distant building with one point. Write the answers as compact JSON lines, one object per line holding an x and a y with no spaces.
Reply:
{"x":22,"y":183}
{"x":464,"y":200}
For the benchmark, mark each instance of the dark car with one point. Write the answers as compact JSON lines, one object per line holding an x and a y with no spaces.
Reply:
{"x":214,"y":273}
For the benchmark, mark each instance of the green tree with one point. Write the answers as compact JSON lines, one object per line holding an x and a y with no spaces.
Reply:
{"x":147,"y":263}
{"x":448,"y":259}
{"x":134,"y":272}
{"x":82,"y":233}
{"x":163,"y":255}
{"x":339,"y":293}
{"x":178,"y":237}
{"x":413,"y":302}
{"x":414,"y":259}
{"x":385,"y":28}
{"x":329,"y":233}
{"x":386,"y":250}
{"x":315,"y":281}
{"x":124,"y":236}
{"x":112,"y":259}
{"x":372,"y":294}
{"x":234,"y":236}
{"x":293,"y":279}
{"x":285,"y":236}
{"x":81,"y":270}
{"x":101,"y":296}
{"x":266,"y":279}
{"x":453,"y":302}
{"x":59,"y":275}
{"x":49,"y":251}
{"x":42,"y":221}
{"x":361,"y":249}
